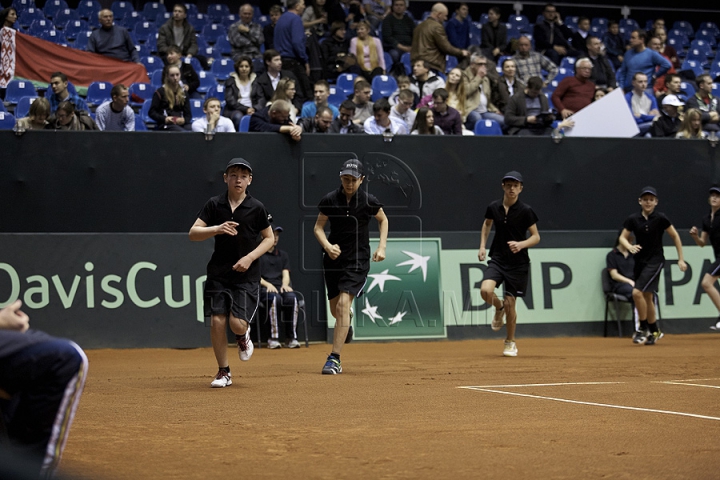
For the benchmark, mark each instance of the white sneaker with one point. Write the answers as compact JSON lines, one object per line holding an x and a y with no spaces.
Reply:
{"x":273,"y":344}
{"x":716,"y":327}
{"x":293,"y":344}
{"x":510,"y":349}
{"x":498,"y":320}
{"x":245,"y":346}
{"x":222,"y":379}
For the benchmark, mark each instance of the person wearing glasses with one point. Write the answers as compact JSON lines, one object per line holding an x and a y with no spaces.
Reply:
{"x":402,"y":110}
{"x":575,"y":93}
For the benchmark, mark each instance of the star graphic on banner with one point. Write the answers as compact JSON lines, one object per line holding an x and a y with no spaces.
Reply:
{"x":379,"y":279}
{"x":416,"y":261}
{"x":397,"y":318}
{"x":371,"y":311}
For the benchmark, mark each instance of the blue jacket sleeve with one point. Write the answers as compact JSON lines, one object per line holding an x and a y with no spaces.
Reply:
{"x":662,"y":62}
{"x":298,"y":32}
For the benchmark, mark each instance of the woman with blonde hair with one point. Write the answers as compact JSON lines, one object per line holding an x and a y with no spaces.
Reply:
{"x":286,"y":91}
{"x":369,"y":51}
{"x":170,"y":109}
{"x":37,"y":116}
{"x":691,"y":126}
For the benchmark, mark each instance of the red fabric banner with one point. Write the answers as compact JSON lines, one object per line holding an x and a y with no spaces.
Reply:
{"x":36,"y":59}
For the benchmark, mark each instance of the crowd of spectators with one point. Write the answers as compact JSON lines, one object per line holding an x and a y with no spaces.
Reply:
{"x":446,"y":73}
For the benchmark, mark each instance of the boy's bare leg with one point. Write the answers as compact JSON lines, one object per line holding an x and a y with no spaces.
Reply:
{"x":487,"y":291}
{"x":649,"y":298}
{"x":238,"y":325}
{"x":640,"y":304}
{"x":218,"y":338}
{"x":340,"y":307}
{"x":510,"y":317}
{"x":708,"y":284}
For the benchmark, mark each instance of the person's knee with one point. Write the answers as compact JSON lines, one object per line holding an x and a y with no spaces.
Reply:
{"x":218,"y":322}
{"x":708,"y":283}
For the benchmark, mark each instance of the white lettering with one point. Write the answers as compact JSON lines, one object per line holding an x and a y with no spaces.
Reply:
{"x":43,"y":289}
{"x":14,"y":284}
{"x":118,"y":294}
{"x":65,"y":297}
{"x":185,"y":291}
{"x":200,"y":298}
{"x":132,"y":289}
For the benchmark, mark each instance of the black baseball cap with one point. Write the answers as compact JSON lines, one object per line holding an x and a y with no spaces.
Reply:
{"x":714,"y":189}
{"x":352,"y":167}
{"x":513,"y":175}
{"x":241,"y":162}
{"x":278,"y":229}
{"x":650,"y":190}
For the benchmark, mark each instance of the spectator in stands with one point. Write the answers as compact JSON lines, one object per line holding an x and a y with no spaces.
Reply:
{"x":430,"y":42}
{"x":116,"y":115}
{"x":397,"y":31}
{"x":706,"y":102}
{"x":37,"y":116}
{"x":320,"y":123}
{"x":344,"y":122}
{"x":246,"y":36}
{"x":269,"y":30}
{"x":494,"y":35}
{"x":376,"y":11}
{"x":403,"y":110}
{"x":8,"y":17}
{"x":602,"y":74}
{"x":668,"y":123}
{"x":667,"y":50}
{"x":290,"y":43}
{"x":575,"y":93}
{"x":213,"y":122}
{"x":315,"y":18}
{"x":691,"y":126}
{"x":275,"y":118}
{"x":425,"y":123}
{"x":188,"y":76}
{"x":599,"y":93}
{"x":368,"y":51}
{"x":580,"y":37}
{"x":403,"y":82}
{"x":474,"y":86}
{"x":265,"y":84}
{"x":508,"y":85}
{"x":381,"y":122}
{"x":424,"y":81}
{"x":655,"y":44}
{"x":528,"y":112}
{"x":67,"y":118}
{"x":170,"y":107}
{"x":552,"y":37}
{"x":671,"y":85}
{"x":642,"y":105}
{"x":238,"y":89}
{"x":321,"y":93}
{"x":531,"y":64}
{"x":458,"y":27}
{"x":658,"y":23}
{"x":178,"y":31}
{"x":641,"y":59}
{"x":347,"y":11}
{"x":446,"y":117}
{"x":615,"y":44}
{"x":335,"y":50}
{"x":60,"y":93}
{"x":111,"y":40}
{"x":361,"y":99}
{"x":286,"y":91}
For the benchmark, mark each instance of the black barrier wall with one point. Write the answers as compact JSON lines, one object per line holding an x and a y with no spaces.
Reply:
{"x":150,"y":183}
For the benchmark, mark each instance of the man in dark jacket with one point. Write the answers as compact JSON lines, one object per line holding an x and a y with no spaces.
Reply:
{"x":177,"y":31}
{"x":551,"y":36}
{"x":668,"y":123}
{"x":264,"y":85}
{"x":527,"y":112}
{"x":494,"y":35}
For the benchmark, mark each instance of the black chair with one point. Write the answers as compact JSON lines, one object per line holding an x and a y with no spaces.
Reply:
{"x":615,"y":298}
{"x":262,"y":313}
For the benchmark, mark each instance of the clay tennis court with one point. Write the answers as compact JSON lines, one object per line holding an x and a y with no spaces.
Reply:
{"x":400,"y":410}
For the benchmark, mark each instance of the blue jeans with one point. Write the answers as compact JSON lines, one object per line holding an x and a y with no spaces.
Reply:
{"x":474,"y":116}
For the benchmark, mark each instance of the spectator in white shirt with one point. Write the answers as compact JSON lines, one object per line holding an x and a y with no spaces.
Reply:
{"x":381,"y":121}
{"x":116,"y":115}
{"x":213,"y":122}
{"x":402,"y":110}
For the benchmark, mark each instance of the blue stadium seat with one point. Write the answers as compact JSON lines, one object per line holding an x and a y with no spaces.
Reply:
{"x":152,"y":63}
{"x":38,"y":27}
{"x":73,"y":28}
{"x":711,"y":27}
{"x":628,"y":24}
{"x":450,"y":63}
{"x":143,"y":50}
{"x":697,"y":55}
{"x":144,"y":112}
{"x":51,"y":7}
{"x":715,"y":89}
{"x":17,"y":89}
{"x":264,"y":20}
{"x":2,"y":107}
{"x":152,"y":9}
{"x":162,"y":18}
{"x":336,"y":96}
{"x":487,"y":127}
{"x":156,"y":79}
{"x":7,"y":121}
{"x":81,"y":41}
{"x":568,"y":63}
{"x":222,"y":68}
{"x":98,"y":92}
{"x":198,"y":21}
{"x":483,"y":18}
{"x":23,"y":107}
{"x":519,"y":21}
{"x":196,"y":108}
{"x":258,"y":65}
{"x":207,"y":81}
{"x":598,"y":31}
{"x":245,"y":123}
{"x":564,"y":72}
{"x":345,"y":82}
{"x":211,"y":52}
{"x":715,"y":69}
{"x":143,"y":91}
{"x":222,"y":45}
{"x":212,"y":32}
{"x":475,"y":33}
{"x":707,"y":36}
{"x":683,"y":26}
{"x":202,"y":43}
{"x":228,"y":20}
{"x":120,"y":8}
{"x":65,"y":15}
{"x":405,"y":60}
{"x":687,"y":89}
{"x":28,"y":16}
{"x":693,"y":65}
{"x":21,"y":5}
{"x":139,"y":124}
{"x":131,"y":19}
{"x":55,"y":36}
{"x":217,"y":91}
{"x":192,"y":8}
{"x":88,"y":9}
{"x":383,"y":86}
{"x":144,"y":29}
{"x":151,"y":41}
{"x":217,"y":11}
{"x":194,"y":62}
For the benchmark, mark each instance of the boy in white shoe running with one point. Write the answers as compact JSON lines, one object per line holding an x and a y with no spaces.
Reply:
{"x":236,"y":220}
{"x":711,"y":233}
{"x":510,"y":262}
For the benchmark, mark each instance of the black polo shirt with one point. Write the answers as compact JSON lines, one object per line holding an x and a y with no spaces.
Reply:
{"x":510,"y":227}
{"x":252,"y":218}
{"x":349,"y":224}
{"x":712,"y":226}
{"x":272,"y":265}
{"x":648,"y":234}
{"x":625,"y":266}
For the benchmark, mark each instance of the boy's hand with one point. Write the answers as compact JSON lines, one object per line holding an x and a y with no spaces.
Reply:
{"x":514,"y":246}
{"x":227,"y":228}
{"x":482,"y":254}
{"x":682,"y":265}
{"x":694,"y":231}
{"x":379,"y":255}
{"x":272,"y":289}
{"x":243,"y":264}
{"x":333,"y":251}
{"x":12,"y":318}
{"x":634,"y":249}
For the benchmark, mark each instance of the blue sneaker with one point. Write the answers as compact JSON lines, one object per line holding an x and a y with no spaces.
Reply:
{"x":332,"y":366}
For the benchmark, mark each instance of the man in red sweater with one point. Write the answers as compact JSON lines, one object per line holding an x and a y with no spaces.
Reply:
{"x":575,"y":93}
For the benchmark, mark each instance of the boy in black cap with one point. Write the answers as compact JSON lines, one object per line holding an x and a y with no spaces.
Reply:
{"x":648,"y":227}
{"x":346,"y":258}
{"x":510,"y":261}
{"x":236,"y":220}
{"x":711,"y":231}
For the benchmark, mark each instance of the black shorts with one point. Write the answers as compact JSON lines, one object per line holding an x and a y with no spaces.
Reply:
{"x":714,"y":270}
{"x":223,"y":298}
{"x":348,"y":280}
{"x":514,"y":276}
{"x":647,"y":276}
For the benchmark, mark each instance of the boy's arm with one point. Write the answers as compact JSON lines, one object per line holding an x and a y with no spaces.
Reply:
{"x":625,"y":242}
{"x":286,"y":281}
{"x":267,"y":285}
{"x":200,"y":230}
{"x":265,"y":245}
{"x":702,"y":239}
{"x":484,"y":234}
{"x":319,"y":230}
{"x":615,"y":275}
{"x":678,"y":246}
{"x":379,"y":254}
{"x":531,"y":241}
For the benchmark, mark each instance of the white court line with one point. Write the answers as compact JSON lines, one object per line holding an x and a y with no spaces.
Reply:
{"x":696,"y":380}
{"x":543,"y":384}
{"x":621,"y":407}
{"x":691,"y":384}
